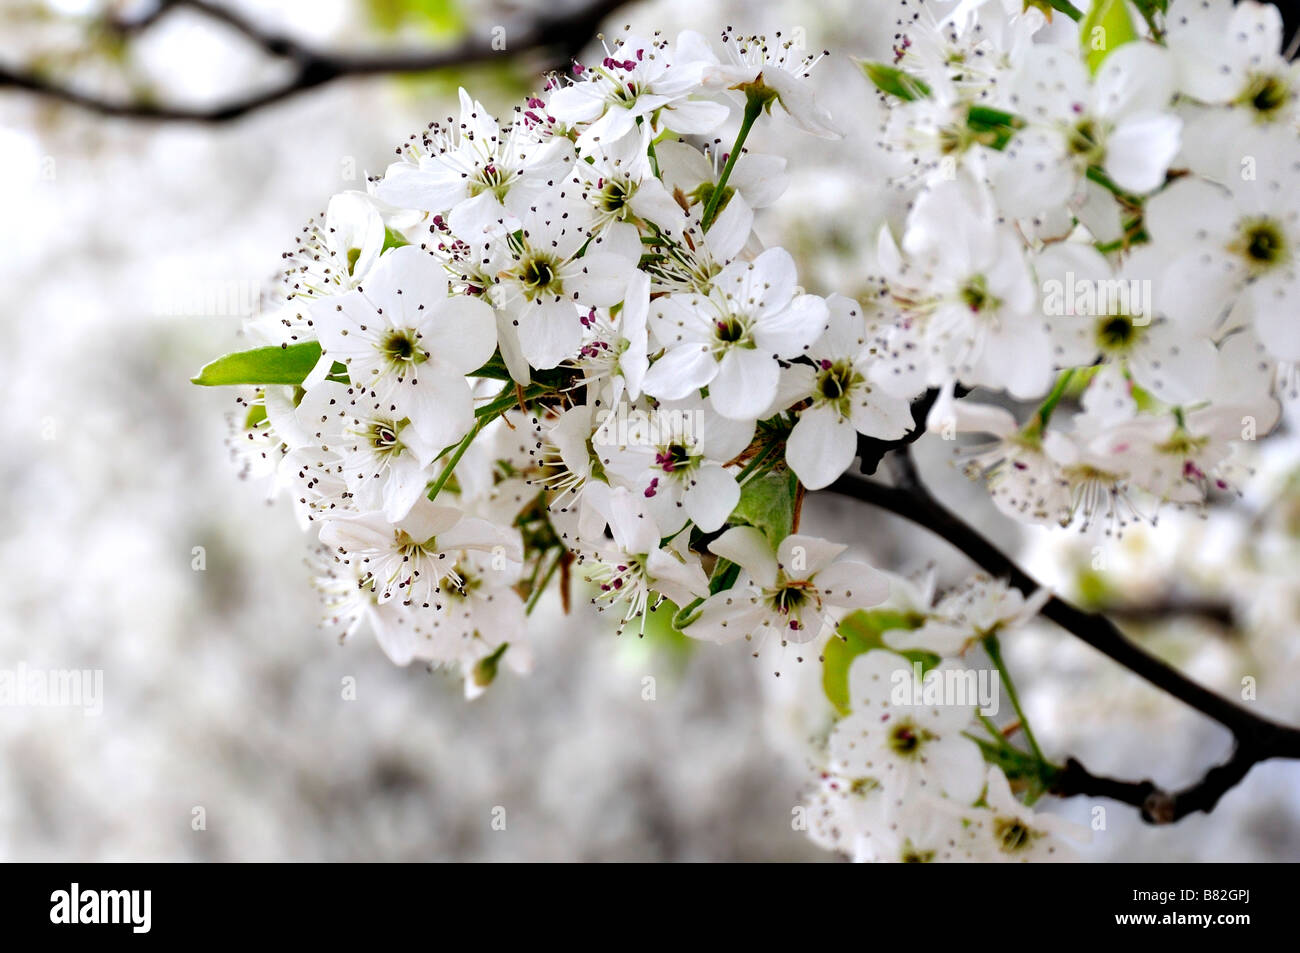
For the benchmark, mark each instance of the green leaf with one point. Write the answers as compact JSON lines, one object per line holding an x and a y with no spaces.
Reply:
{"x":1107,"y":27}
{"x":1093,"y":588}
{"x":1002,"y":125}
{"x":724,"y":576}
{"x":894,"y":81}
{"x":1153,"y":12}
{"x":484,"y":672}
{"x":556,"y":378}
{"x":986,"y":117}
{"x":661,"y":634}
{"x":1065,"y":6}
{"x":495,"y":369}
{"x":392,"y":240}
{"x":256,"y":414}
{"x":1018,"y":765}
{"x":860,"y":632}
{"x":1146,"y":401}
{"x":438,"y":18}
{"x":287,"y":364}
{"x":767,"y":504}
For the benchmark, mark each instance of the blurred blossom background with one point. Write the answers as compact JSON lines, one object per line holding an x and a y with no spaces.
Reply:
{"x":132,"y":251}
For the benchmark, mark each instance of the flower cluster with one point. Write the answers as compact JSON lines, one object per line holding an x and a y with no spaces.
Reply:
{"x":906,"y":778}
{"x":552,"y":346}
{"x":1111,"y":218}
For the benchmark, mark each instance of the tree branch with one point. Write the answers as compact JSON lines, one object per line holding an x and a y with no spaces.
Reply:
{"x":565,"y":32}
{"x":1173,"y":605}
{"x":871,"y":450}
{"x":129,"y":26}
{"x":1157,"y":805}
{"x":1255,"y":738}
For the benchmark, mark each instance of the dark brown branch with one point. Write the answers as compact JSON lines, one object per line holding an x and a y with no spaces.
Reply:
{"x":1255,"y":739}
{"x":1172,"y":606}
{"x":273,"y":43}
{"x":133,"y":25}
{"x":129,"y":26}
{"x":1157,"y":805}
{"x":871,"y":450}
{"x":564,"y":33}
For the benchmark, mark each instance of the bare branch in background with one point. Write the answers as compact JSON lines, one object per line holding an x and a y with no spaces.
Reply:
{"x":564,"y":33}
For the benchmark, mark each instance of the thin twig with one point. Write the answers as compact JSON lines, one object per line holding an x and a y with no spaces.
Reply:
{"x":564,"y":32}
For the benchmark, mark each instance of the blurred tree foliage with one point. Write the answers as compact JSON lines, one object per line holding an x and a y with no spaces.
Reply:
{"x":440,"y":19}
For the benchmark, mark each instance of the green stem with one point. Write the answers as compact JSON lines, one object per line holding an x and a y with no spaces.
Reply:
{"x":1068,"y":8}
{"x":1016,"y":763}
{"x":754,"y":463}
{"x":537,"y":570}
{"x":753,"y":106}
{"x":1039,"y":423}
{"x":1041,"y":774}
{"x":1120,"y":244}
{"x":724,"y":576}
{"x":1148,"y":10}
{"x":535,"y":594}
{"x":499,"y":405}
{"x":1098,"y":176}
{"x":994,"y":651}
{"x":482,"y":416}
{"x":461,"y":447}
